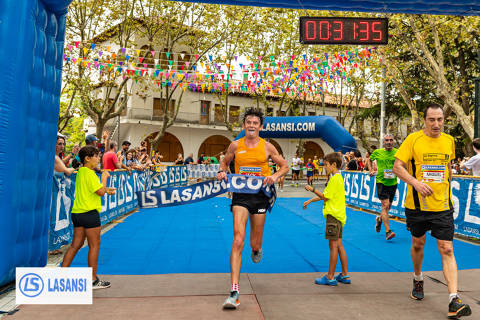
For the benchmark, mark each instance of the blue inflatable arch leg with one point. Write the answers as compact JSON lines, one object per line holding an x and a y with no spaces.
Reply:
{"x":32,"y":33}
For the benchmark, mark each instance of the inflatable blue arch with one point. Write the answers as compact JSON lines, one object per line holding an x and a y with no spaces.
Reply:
{"x":324,"y":127}
{"x":32,"y":33}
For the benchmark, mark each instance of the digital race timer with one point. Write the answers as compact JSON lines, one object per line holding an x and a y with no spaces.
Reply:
{"x":319,"y":30}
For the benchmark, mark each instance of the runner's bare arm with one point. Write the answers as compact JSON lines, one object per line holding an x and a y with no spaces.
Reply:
{"x":278,"y":159}
{"x":400,"y":170}
{"x":229,"y":155}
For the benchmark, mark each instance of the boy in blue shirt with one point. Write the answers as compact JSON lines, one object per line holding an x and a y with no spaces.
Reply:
{"x":86,"y":212}
{"x":334,"y":210}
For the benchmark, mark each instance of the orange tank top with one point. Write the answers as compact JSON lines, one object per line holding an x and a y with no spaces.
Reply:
{"x":251,"y":161}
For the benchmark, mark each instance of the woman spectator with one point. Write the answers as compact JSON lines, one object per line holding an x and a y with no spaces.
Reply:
{"x":132,"y":162}
{"x":59,"y":165}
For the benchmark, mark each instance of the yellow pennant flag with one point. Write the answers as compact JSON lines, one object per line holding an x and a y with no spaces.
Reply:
{"x":85,"y":50}
{"x":108,"y":48}
{"x":138,"y":52}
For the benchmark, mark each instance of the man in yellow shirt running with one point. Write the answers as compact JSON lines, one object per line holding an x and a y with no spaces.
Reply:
{"x":423,"y":162}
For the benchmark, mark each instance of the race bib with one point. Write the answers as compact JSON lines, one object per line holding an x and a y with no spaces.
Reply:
{"x":433,"y":173}
{"x":250,"y":171}
{"x":388,"y":174}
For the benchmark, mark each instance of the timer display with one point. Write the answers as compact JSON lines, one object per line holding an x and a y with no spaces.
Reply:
{"x":320,"y":30}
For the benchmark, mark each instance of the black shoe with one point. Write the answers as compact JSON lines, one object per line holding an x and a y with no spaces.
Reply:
{"x":457,"y":309}
{"x":417,"y":292}
{"x":378,"y":224}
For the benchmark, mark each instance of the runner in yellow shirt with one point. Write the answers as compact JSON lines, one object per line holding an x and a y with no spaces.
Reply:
{"x":423,"y":162}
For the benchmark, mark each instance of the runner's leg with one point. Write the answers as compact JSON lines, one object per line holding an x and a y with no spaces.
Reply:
{"x":240,"y":218}
{"x":257,"y":224}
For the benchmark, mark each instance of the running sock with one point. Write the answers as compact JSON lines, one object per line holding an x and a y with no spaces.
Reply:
{"x":452,"y":296}
{"x":235,"y":287}
{"x":419,"y":277}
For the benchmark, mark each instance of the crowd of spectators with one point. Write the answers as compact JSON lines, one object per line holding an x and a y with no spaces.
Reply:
{"x":113,"y":158}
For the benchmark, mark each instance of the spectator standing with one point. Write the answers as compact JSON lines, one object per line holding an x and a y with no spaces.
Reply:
{"x":189,"y":159}
{"x":179,"y":160}
{"x":473,"y":163}
{"x":110,"y":160}
{"x":59,"y":165}
{"x":122,"y":154}
{"x":310,"y":168}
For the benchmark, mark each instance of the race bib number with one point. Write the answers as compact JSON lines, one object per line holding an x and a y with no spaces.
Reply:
{"x":388,"y":174}
{"x":433,"y":173}
{"x":251,"y":171}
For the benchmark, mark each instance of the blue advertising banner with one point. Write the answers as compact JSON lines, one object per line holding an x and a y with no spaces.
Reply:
{"x":124,"y":200}
{"x":171,"y":176}
{"x":360,"y":191}
{"x":175,"y":196}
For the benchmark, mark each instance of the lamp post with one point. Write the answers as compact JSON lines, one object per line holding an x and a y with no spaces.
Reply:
{"x":476,"y":119}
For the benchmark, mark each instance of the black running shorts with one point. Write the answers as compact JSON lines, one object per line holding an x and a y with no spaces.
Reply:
{"x":90,"y":219}
{"x":440,"y":223}
{"x":255,"y":203}
{"x":386,"y":192}
{"x":297,"y":172}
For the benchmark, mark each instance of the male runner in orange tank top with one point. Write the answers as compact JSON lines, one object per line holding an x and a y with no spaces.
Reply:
{"x":251,"y":158}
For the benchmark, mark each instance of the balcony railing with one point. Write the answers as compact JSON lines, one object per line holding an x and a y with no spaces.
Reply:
{"x":182,"y":117}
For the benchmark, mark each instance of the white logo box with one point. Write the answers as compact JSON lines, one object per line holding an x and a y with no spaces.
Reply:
{"x":53,"y":285}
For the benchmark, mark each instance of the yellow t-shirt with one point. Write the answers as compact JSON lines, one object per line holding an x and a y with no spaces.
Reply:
{"x":316,"y":164}
{"x":427,"y":160}
{"x":86,"y":184}
{"x":335,"y":193}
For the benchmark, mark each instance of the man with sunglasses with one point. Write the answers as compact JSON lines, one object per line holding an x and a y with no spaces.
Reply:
{"x":386,"y":181}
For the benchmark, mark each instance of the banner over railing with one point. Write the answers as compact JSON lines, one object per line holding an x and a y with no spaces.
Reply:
{"x":360,"y":191}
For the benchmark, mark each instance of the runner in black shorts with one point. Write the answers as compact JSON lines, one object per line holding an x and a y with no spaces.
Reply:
{"x":423,"y":161}
{"x":251,"y":155}
{"x":383,"y":160}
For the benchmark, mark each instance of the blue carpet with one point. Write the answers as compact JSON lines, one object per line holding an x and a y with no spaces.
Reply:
{"x":197,"y":238}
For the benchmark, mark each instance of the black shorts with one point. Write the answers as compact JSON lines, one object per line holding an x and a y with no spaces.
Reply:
{"x":255,"y":203}
{"x":297,"y":172}
{"x":386,"y":192}
{"x":440,"y":223}
{"x":87,"y":220}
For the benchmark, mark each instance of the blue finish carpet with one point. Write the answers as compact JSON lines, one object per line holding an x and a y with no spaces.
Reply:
{"x":197,"y":238}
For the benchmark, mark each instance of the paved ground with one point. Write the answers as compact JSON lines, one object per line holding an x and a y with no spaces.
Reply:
{"x":263,"y":296}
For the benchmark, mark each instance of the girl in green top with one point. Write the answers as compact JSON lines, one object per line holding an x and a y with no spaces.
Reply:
{"x":86,"y":212}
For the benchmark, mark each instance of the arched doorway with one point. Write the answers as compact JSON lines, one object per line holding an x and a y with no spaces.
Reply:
{"x":213,"y":145}
{"x":277,"y":146}
{"x":169,"y":146}
{"x":312,"y":149}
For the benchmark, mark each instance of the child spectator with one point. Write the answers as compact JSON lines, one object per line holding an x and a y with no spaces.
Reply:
{"x":86,"y":212}
{"x":334,"y":210}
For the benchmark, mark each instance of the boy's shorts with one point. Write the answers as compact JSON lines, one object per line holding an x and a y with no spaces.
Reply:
{"x":87,"y":220}
{"x":334,"y":228}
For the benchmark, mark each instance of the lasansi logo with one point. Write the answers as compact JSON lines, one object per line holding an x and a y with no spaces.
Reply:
{"x":31,"y":285}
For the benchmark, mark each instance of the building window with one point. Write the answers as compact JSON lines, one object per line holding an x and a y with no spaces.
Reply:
{"x":204,"y":112}
{"x":375,"y":128}
{"x":218,"y":117}
{"x":159,"y":106}
{"x":234,"y":114}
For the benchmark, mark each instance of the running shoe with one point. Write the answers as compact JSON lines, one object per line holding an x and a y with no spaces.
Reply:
{"x":417,"y":292}
{"x":390,"y":235}
{"x":232,"y":302}
{"x":343,"y":279}
{"x":378,"y":224}
{"x":100,"y":284}
{"x":257,"y":255}
{"x":457,"y":309}
{"x":296,"y":185}
{"x":325,"y":281}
